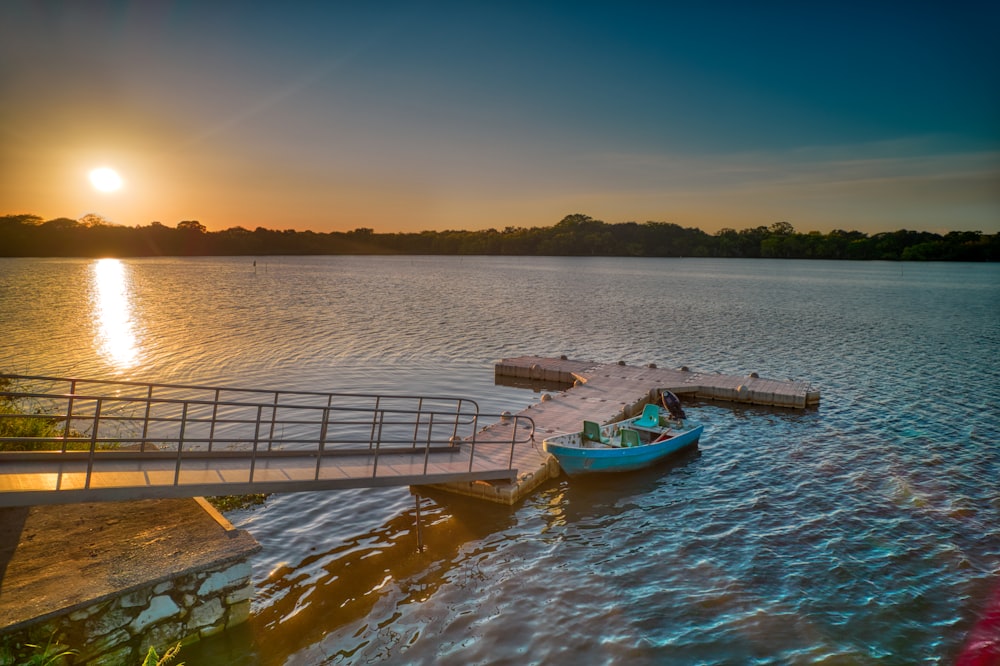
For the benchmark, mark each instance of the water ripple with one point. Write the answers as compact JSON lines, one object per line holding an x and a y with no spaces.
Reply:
{"x":866,"y":531}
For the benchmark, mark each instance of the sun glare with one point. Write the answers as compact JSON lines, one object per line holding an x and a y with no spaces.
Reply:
{"x":116,"y":337}
{"x":105,"y":179}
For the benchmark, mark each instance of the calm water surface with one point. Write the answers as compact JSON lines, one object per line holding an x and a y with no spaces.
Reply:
{"x":866,"y":531}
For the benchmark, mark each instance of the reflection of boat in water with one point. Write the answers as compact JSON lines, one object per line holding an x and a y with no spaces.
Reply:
{"x":627,"y":445}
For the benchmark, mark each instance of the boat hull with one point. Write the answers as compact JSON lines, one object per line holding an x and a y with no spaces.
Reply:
{"x":578,"y":460}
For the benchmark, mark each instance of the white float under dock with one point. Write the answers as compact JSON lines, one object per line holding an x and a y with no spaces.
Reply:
{"x":605,"y":392}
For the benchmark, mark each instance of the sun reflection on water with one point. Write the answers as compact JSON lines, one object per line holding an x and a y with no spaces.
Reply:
{"x":111,"y":296}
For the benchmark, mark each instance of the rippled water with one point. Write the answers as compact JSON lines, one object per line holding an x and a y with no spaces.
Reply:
{"x":866,"y":531}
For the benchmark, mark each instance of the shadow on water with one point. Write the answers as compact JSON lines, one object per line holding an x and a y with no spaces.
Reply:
{"x":344,"y":592}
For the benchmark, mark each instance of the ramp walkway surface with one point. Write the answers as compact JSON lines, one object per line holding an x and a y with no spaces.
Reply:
{"x":94,"y":441}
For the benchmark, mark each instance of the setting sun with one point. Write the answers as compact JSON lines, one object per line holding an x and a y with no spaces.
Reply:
{"x":105,"y":179}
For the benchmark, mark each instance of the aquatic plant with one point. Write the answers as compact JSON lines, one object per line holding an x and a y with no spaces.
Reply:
{"x":153,"y":659}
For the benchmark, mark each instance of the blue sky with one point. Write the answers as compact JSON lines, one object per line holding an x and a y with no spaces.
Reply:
{"x":410,"y":116}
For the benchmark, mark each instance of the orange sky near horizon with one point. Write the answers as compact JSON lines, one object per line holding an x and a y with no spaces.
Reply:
{"x":408,"y":121}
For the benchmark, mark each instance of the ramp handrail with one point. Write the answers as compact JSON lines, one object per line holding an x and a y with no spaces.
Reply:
{"x":147,"y":421}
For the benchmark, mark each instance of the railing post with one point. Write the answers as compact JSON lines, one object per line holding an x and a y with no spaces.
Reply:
{"x":256,"y":439}
{"x":427,"y":448}
{"x":215,"y":416}
{"x":416,"y":426}
{"x":472,"y":443}
{"x":180,"y":443}
{"x":380,"y":416}
{"x":274,"y":417}
{"x":513,"y":440}
{"x":322,"y":440}
{"x":93,"y":443}
{"x":458,"y":416}
{"x":69,"y":413}
{"x":375,"y":413}
{"x":145,"y":422}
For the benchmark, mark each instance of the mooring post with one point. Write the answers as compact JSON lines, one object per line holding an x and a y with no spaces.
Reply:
{"x":420,"y":537}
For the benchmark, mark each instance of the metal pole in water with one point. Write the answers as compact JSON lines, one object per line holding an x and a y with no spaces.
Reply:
{"x":420,"y":536}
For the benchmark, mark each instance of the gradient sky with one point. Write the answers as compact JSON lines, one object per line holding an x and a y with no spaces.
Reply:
{"x":400,"y":116}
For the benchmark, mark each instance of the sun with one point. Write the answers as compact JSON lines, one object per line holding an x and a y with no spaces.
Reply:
{"x":106,"y":179}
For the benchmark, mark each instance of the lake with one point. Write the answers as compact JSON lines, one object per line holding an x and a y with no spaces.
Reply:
{"x":866,"y":531}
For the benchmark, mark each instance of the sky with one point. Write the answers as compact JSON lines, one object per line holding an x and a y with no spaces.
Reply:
{"x":409,"y":116}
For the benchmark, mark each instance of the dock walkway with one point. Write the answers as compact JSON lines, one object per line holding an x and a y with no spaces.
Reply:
{"x":603,"y":393}
{"x":188,"y":441}
{"x":77,"y":440}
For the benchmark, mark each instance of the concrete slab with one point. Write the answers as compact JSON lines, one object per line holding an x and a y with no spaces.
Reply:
{"x":54,"y":559}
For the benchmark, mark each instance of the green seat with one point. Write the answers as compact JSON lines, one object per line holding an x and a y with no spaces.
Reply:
{"x":592,"y":431}
{"x":650,"y":417}
{"x":630,"y":437}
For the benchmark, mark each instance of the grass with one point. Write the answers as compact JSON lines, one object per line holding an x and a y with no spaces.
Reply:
{"x":232,"y":502}
{"x":20,"y":420}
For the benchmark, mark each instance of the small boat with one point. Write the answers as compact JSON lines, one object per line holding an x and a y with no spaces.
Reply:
{"x":623,"y":446}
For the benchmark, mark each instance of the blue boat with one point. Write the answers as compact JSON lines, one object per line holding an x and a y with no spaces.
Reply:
{"x":626,"y":445}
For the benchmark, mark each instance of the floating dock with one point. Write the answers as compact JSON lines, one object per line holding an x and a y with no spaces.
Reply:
{"x":605,"y":392}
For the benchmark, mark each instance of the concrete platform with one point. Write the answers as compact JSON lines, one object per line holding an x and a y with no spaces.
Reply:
{"x":609,"y":392}
{"x":54,"y":559}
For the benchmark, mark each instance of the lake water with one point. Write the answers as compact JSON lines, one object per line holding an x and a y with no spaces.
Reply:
{"x":866,"y":531}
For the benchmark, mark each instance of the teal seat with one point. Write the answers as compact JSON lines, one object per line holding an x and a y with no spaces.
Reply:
{"x":650,"y":417}
{"x":592,"y":431}
{"x":630,"y":437}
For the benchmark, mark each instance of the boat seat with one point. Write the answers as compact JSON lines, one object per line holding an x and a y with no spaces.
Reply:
{"x":650,"y":417}
{"x":629,"y":437}
{"x":592,"y":431}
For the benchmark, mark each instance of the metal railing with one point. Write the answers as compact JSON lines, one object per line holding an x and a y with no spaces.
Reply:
{"x":57,"y":420}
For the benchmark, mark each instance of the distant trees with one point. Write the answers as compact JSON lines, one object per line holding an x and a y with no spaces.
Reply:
{"x":26,"y":235}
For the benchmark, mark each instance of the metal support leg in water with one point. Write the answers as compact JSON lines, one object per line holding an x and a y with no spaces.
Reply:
{"x":420,"y":536}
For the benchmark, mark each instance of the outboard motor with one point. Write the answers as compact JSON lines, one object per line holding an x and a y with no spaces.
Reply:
{"x":673,"y":405}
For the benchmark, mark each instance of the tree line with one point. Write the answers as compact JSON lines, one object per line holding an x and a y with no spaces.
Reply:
{"x":575,"y":235}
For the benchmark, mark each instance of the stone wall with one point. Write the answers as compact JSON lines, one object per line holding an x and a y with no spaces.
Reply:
{"x":121,"y":630}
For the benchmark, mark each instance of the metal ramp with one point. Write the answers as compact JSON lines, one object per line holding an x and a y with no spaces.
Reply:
{"x":66,"y":440}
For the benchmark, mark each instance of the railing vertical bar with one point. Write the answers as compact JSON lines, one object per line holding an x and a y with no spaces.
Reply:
{"x":215,"y":416}
{"x":180,"y":443}
{"x":274,"y":417}
{"x":93,"y":443}
{"x":380,"y":415}
{"x":145,"y":421}
{"x":458,"y":416}
{"x":69,"y":414}
{"x":416,"y":425}
{"x":472,"y":447}
{"x":256,"y":440}
{"x":322,"y":440}
{"x":513,"y":439}
{"x":371,"y":436}
{"x":427,"y":448}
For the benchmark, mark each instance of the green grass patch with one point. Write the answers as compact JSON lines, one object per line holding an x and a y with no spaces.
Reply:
{"x":225,"y":503}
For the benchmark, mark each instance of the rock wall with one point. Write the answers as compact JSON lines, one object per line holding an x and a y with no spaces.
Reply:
{"x":121,"y":630}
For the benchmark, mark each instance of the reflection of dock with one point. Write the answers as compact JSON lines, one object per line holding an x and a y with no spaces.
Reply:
{"x":610,"y":392}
